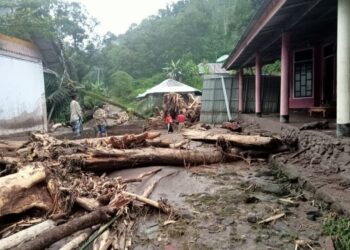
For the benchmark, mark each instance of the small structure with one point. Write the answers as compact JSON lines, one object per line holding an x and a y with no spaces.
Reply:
{"x":22,"y":92}
{"x":155,"y":94}
{"x":311,"y":38}
{"x":169,"y":86}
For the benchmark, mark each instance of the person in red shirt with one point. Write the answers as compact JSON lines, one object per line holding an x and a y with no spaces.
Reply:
{"x":169,"y":122}
{"x":181,"y":118}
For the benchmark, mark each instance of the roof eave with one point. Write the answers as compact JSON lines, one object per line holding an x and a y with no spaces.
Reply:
{"x":268,"y":9}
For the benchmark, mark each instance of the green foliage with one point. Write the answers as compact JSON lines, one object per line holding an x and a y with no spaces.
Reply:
{"x":58,"y":96}
{"x":339,"y":229}
{"x":51,"y":18}
{"x":178,"y":38}
{"x":273,"y":68}
{"x":190,"y":74}
{"x":121,"y":85}
{"x":173,"y":70}
{"x":201,"y":29}
{"x":91,"y":102}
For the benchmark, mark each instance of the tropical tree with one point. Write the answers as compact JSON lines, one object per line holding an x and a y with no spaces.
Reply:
{"x":173,"y":70}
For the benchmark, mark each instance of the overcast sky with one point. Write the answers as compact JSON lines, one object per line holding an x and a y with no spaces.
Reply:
{"x":118,"y":15}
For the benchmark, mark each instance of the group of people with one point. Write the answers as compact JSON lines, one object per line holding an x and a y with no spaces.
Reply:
{"x":76,"y":119}
{"x":181,"y":118}
{"x":100,"y":118}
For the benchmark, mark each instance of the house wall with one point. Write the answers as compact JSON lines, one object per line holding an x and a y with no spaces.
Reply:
{"x":300,"y":102}
{"x":315,"y":100}
{"x":22,"y":95}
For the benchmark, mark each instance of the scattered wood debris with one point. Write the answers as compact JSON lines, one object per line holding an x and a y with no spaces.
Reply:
{"x":173,"y":103}
{"x":232,"y":126}
{"x":235,"y":139}
{"x":77,"y":204}
{"x":272,"y":218}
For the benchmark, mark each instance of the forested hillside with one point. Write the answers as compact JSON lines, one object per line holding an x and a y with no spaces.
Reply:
{"x":172,"y":42}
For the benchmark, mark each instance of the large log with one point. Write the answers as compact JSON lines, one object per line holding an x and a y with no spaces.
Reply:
{"x":234,"y":139}
{"x":118,"y":142}
{"x":48,"y":237}
{"x":104,"y":160}
{"x":25,"y":235}
{"x":20,"y":191}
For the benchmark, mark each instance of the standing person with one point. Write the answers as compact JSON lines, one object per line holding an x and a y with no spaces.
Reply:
{"x":169,"y":121}
{"x":76,"y":116}
{"x":100,"y":116}
{"x":181,"y":118}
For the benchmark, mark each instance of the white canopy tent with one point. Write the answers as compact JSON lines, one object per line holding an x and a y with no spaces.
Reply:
{"x":169,"y":86}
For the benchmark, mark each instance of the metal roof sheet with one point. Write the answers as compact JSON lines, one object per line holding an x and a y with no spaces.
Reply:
{"x":19,"y":47}
{"x":168,"y":86}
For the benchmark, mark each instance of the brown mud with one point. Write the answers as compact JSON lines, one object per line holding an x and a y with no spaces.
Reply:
{"x":219,"y":207}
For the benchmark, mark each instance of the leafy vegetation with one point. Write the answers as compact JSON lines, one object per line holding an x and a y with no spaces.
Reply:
{"x":339,"y":229}
{"x":169,"y":44}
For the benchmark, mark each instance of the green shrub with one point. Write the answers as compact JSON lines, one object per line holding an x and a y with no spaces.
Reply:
{"x":339,"y":230}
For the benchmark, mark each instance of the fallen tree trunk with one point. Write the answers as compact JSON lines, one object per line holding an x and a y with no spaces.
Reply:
{"x":19,"y":192}
{"x":25,"y":235}
{"x":104,"y":160}
{"x":48,"y":237}
{"x":78,"y":240}
{"x":165,"y":144}
{"x":234,"y":139}
{"x":118,"y":142}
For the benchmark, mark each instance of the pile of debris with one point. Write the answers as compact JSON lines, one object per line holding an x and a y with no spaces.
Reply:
{"x":63,"y":199}
{"x":173,"y":103}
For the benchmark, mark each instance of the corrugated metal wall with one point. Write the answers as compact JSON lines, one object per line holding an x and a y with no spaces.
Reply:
{"x":271,"y":90}
{"x":213,"y":102}
{"x":270,"y":94}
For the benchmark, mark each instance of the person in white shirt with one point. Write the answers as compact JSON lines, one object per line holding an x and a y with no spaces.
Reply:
{"x":76,"y":116}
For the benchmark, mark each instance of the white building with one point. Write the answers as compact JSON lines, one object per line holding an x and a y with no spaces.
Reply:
{"x":22,"y":92}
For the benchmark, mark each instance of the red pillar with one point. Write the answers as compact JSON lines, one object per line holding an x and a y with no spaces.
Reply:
{"x":258,"y":85}
{"x":285,"y":69}
{"x":240,"y":91}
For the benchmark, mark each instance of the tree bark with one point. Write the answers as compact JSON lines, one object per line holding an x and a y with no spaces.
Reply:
{"x":20,"y":191}
{"x":108,"y":160}
{"x":25,"y":235}
{"x":234,"y":139}
{"x":48,"y":237}
{"x":165,"y":144}
{"x":119,"y":142}
{"x":78,"y":240}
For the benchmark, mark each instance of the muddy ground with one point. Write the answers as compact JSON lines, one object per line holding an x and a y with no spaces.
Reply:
{"x":220,"y":207}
